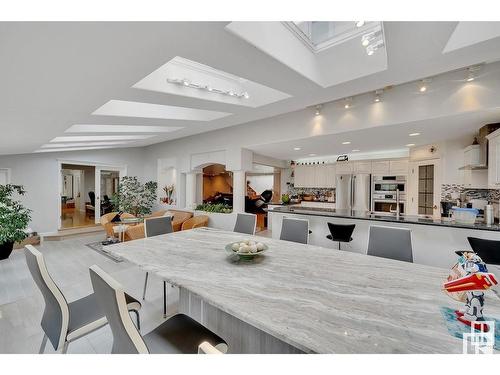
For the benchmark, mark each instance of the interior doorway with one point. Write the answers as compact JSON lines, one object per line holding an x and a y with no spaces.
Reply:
{"x":425,"y":188}
{"x":76,"y":191}
{"x":85,"y":191}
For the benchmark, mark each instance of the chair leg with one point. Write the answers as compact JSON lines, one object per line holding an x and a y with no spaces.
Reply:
{"x":137,"y":319}
{"x":145,"y":286}
{"x":43,"y":344}
{"x":64,"y":349}
{"x":339,"y":245}
{"x":164,"y":299}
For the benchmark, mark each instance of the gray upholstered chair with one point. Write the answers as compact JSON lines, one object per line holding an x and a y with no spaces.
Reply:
{"x":63,"y":322}
{"x":157,"y":226}
{"x":245,"y":223}
{"x":177,"y":335}
{"x":295,"y":230}
{"x":390,"y":242}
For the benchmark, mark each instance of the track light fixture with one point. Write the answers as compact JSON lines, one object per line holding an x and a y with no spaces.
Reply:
{"x":423,"y":84}
{"x":347,"y":103}
{"x":378,"y":96}
{"x":317,"y":109}
{"x":472,"y":72}
{"x":186,"y":83}
{"x":373,"y":41}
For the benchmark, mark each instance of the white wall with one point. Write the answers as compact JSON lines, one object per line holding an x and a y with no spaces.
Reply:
{"x":261,"y":182}
{"x":39,"y":173}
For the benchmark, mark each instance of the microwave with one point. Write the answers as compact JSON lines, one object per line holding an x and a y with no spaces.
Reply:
{"x":389,"y":184}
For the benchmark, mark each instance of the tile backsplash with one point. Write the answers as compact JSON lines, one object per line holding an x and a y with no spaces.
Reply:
{"x":453,"y":191}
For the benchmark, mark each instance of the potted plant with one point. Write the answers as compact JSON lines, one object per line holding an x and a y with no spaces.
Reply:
{"x":169,"y":192}
{"x":134,"y":197}
{"x":14,"y":219}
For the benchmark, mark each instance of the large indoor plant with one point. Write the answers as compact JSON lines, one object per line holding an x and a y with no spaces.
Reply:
{"x":134,"y":197}
{"x":14,"y":218}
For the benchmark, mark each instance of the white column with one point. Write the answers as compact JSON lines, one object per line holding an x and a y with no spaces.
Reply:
{"x":239,"y":191}
{"x":191,"y":190}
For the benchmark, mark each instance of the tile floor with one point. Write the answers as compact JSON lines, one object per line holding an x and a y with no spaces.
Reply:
{"x":21,"y":303}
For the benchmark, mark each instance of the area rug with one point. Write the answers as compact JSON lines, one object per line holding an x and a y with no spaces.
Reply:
{"x":101,"y":249}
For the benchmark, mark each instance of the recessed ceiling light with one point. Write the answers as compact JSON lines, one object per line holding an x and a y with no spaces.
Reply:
{"x":297,"y":148}
{"x":84,"y":128}
{"x":360,"y":23}
{"x":83,"y":144}
{"x":413,"y":134}
{"x":149,"y":110}
{"x":472,"y":72}
{"x":312,"y":154}
{"x":378,"y":96}
{"x":355,"y":150}
{"x":422,"y":87}
{"x":347,"y":103}
{"x":346,"y":143}
{"x":410,"y":145}
{"x":317,"y":111}
{"x":89,"y":138}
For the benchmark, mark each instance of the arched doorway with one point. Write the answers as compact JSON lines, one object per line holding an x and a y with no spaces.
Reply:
{"x":217,"y":185}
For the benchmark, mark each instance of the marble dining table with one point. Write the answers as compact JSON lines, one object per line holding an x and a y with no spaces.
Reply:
{"x":298,"y":298}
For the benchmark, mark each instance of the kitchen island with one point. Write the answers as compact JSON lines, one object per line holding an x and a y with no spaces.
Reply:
{"x":302,"y":298}
{"x":434,"y":241}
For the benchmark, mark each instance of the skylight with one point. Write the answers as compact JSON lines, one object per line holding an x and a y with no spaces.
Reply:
{"x":149,"y":110}
{"x":320,"y":35}
{"x":83,"y":144}
{"x":89,"y":138}
{"x":87,"y":128}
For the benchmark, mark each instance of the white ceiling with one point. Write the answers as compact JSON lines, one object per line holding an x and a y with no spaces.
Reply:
{"x":56,"y":74}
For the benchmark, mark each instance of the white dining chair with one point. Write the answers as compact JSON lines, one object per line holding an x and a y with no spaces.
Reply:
{"x":179,"y":334}
{"x":390,"y":242}
{"x":62,"y":321}
{"x":245,"y":223}
{"x":156,"y":226}
{"x":295,"y":230}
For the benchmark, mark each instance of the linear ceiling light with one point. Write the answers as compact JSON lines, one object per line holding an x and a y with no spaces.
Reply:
{"x":148,"y":110}
{"x":186,"y":83}
{"x":84,"y":128}
{"x":90,"y":138}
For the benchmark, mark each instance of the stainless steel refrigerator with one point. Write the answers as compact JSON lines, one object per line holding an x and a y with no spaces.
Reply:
{"x":353,"y":192}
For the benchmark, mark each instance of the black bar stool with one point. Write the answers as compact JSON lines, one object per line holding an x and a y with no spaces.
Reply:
{"x":340,"y":232}
{"x":488,"y":250}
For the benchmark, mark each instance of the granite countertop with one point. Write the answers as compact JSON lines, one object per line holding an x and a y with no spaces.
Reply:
{"x":363,"y":215}
{"x":316,"y":299}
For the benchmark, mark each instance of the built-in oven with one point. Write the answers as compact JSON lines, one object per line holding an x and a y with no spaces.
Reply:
{"x":385,"y":193}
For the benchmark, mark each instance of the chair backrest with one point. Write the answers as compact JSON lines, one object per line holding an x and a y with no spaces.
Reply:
{"x":195,"y":222}
{"x":296,"y":230}
{"x":390,"y":242}
{"x":55,"y":317}
{"x":245,"y":223}
{"x":488,"y":250}
{"x":156,"y":226}
{"x":111,"y":298}
{"x":92,"y":198}
{"x":341,"y":232}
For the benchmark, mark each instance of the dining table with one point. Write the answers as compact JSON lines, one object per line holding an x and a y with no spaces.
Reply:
{"x":299,"y":298}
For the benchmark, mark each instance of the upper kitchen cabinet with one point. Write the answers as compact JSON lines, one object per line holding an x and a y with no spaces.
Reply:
{"x":315,"y":176}
{"x":343,"y":167}
{"x":494,"y":160}
{"x":381,"y":167}
{"x":362,"y":167}
{"x":398,"y":167}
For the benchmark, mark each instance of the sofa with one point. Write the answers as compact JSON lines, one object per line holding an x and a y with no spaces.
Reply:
{"x":179,"y":217}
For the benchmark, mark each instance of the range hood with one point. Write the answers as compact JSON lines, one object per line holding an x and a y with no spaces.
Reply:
{"x":476,"y":155}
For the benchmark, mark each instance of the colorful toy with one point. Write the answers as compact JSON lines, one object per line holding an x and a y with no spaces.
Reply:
{"x":468,"y":281}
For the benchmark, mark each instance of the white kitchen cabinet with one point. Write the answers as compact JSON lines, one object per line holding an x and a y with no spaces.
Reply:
{"x":494,"y":160}
{"x":320,"y":176}
{"x":476,"y":179}
{"x":398,"y":167}
{"x":364,"y":166}
{"x":299,"y":176}
{"x":381,"y":167}
{"x":331,"y":179}
{"x":343,"y":167}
